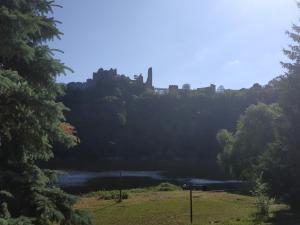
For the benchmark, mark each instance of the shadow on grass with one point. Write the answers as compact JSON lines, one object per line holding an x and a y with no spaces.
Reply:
{"x":281,"y":217}
{"x":285,"y":217}
{"x":108,"y":206}
{"x":245,"y":192}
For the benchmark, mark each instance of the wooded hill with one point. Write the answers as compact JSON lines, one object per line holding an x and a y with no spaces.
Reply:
{"x":119,"y":118}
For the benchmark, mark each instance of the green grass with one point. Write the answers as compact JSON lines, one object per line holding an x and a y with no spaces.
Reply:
{"x":108,"y":195}
{"x":161,"y":187}
{"x":153,"y":207}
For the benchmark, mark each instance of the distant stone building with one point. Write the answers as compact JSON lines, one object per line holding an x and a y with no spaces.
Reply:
{"x":173,"y":89}
{"x":101,"y":73}
{"x":138,"y":79}
{"x":112,"y":73}
{"x":207,"y":90}
{"x":161,"y":91}
{"x":149,"y":78}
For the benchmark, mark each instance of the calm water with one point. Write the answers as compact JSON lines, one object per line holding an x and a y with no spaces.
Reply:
{"x":84,"y":181}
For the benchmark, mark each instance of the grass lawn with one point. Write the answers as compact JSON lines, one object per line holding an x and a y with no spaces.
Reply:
{"x":171,"y":208}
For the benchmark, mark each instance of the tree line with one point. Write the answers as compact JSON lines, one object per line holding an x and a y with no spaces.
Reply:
{"x":118,"y":118}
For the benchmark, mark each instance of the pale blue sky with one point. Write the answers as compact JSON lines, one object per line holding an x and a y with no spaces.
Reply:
{"x":234,"y":43}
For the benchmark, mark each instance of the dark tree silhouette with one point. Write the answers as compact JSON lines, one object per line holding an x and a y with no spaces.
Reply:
{"x":31,"y":120}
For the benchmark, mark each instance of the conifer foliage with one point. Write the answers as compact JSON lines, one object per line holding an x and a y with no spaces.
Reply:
{"x":271,"y":152}
{"x":31,"y":120}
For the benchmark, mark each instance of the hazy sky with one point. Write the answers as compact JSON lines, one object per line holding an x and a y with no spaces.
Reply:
{"x":234,"y":43}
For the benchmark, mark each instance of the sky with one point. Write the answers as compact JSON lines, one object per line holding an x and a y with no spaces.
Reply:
{"x":234,"y":43}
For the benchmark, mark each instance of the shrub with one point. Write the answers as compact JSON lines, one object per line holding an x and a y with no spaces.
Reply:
{"x":263,"y":201}
{"x":167,"y":187}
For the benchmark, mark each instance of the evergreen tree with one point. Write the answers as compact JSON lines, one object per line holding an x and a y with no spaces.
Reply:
{"x":31,"y":120}
{"x":273,"y":151}
{"x":282,"y":170}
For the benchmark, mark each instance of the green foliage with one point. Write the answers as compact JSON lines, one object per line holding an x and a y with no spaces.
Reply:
{"x":267,"y":139}
{"x":31,"y":120}
{"x":117,"y":118}
{"x":263,"y":201}
{"x":283,"y":171}
{"x":280,"y":163}
{"x":167,"y":187}
{"x":257,"y":128}
{"x":226,"y":141}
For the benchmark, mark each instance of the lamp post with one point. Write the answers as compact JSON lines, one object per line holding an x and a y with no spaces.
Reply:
{"x":120,"y":187}
{"x":120,"y":173}
{"x":191,"y":204}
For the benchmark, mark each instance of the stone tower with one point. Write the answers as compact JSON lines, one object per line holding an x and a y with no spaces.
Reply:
{"x":149,"y":78}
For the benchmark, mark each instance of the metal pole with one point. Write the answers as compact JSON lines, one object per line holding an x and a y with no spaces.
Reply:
{"x":191,"y":204}
{"x":120,"y":188}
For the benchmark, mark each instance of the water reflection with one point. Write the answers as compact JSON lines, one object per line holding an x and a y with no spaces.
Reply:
{"x":84,"y":181}
{"x":81,"y":178}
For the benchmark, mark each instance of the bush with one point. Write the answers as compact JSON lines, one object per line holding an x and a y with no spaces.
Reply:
{"x":167,"y":187}
{"x":263,"y":201}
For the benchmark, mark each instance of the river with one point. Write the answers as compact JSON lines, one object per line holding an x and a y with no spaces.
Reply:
{"x":86,"y":181}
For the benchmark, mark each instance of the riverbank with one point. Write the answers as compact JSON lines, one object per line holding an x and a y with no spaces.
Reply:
{"x":156,"y":207}
{"x":81,"y":182}
{"x":204,"y":168}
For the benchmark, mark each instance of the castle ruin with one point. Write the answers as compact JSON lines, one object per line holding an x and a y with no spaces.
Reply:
{"x":138,"y":79}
